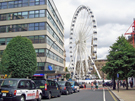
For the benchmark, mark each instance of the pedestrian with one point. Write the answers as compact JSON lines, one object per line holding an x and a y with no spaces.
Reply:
{"x":131,"y":84}
{"x":96,"y":85}
{"x":92,"y":86}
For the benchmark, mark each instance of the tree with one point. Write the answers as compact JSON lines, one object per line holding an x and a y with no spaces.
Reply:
{"x":19,"y":58}
{"x":121,"y":60}
{"x":67,"y":75}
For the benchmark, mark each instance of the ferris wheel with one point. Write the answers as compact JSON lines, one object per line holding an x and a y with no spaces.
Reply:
{"x":83,"y":43}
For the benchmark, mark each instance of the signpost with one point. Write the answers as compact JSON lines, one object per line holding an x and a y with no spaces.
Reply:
{"x":118,"y":81}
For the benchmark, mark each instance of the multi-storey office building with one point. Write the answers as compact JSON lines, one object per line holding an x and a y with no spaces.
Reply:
{"x":39,"y":21}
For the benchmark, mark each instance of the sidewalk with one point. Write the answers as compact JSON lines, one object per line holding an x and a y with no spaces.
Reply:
{"x":123,"y":94}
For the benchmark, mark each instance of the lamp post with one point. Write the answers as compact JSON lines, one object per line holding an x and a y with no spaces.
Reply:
{"x":48,"y":52}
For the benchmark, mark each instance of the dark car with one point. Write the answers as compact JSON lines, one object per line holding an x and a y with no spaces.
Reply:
{"x":19,"y":89}
{"x":66,"y":87}
{"x":75,"y":86}
{"x":81,"y":85}
{"x":107,"y":84}
{"x":49,"y":88}
{"x":1,"y":81}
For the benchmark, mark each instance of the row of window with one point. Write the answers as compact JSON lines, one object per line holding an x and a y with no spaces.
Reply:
{"x":41,"y":66}
{"x":21,"y":3}
{"x":30,"y":27}
{"x":22,"y":15}
{"x":54,"y":14}
{"x":54,"y":24}
{"x":42,"y":52}
{"x":54,"y":46}
{"x":23,"y":27}
{"x":50,"y":30}
{"x":36,"y":39}
{"x":24,"y":3}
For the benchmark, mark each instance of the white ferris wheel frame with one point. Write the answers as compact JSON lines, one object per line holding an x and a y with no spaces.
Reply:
{"x":83,"y":49}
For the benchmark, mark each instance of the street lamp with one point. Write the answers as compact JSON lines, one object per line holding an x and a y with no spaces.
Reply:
{"x":48,"y":53}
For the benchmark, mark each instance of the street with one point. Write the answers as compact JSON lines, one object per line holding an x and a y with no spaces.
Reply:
{"x":87,"y":95}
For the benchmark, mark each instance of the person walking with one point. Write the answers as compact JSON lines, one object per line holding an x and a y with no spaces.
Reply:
{"x":92,"y":86}
{"x":96,"y":85}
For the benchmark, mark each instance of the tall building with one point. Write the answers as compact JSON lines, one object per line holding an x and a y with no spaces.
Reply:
{"x":39,"y":21}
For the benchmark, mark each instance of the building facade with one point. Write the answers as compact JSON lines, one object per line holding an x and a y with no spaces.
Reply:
{"x":99,"y":64}
{"x":39,"y":21}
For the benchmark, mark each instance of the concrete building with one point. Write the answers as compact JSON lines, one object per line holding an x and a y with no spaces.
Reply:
{"x":39,"y":21}
{"x":99,"y":64}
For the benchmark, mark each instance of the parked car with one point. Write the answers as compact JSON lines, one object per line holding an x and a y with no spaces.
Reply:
{"x":19,"y":89}
{"x":66,"y":87}
{"x":81,"y":85}
{"x":75,"y":86}
{"x":49,"y":88}
{"x":1,"y":81}
{"x":107,"y":84}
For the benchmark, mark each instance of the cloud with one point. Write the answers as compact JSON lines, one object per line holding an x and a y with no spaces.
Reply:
{"x":113,"y":18}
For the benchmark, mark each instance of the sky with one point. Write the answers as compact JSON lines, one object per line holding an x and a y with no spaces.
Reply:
{"x":113,"y":18}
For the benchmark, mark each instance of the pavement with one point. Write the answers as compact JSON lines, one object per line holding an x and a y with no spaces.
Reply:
{"x":123,"y":94}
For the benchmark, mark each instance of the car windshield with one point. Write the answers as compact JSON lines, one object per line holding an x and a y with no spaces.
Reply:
{"x":39,"y":82}
{"x":72,"y":83}
{"x":9,"y":83}
{"x":61,"y":83}
{"x":80,"y":82}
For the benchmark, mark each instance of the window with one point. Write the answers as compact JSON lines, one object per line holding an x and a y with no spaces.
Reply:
{"x":21,"y":84}
{"x":11,"y":4}
{"x":31,"y":2}
{"x":27,"y":84}
{"x":24,"y":15}
{"x":19,"y":3}
{"x":42,"y":2}
{"x":36,"y":14}
{"x":41,"y":66}
{"x":16,"y":4}
{"x":2,"y":41}
{"x":25,"y":3}
{"x":4,"y":5}
{"x":31,"y":27}
{"x":3,"y":17}
{"x":36,"y":2}
{"x":41,"y":26}
{"x":10,"y":28}
{"x":31,"y":38}
{"x":8,"y":40}
{"x":19,"y":15}
{"x":2,"y":29}
{"x":9,"y":16}
{"x":41,"y":39}
{"x":36,"y":27}
{"x":31,"y":14}
{"x":24,"y":27}
{"x":42,"y":13}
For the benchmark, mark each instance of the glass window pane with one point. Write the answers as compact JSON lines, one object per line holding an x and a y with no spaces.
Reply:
{"x":19,"y":15}
{"x":8,"y":40}
{"x":41,"y":50}
{"x":4,"y":5}
{"x":2,"y":41}
{"x":24,"y":15}
{"x":42,"y":2}
{"x":3,"y":17}
{"x":10,"y":16}
{"x":11,"y":4}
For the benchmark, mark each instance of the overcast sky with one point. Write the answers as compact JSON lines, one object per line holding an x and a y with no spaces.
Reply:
{"x":113,"y":18}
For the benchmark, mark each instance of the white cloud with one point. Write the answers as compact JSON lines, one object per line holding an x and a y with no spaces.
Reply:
{"x":113,"y":18}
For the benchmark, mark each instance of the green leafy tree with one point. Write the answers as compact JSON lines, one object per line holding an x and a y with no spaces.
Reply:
{"x":19,"y":58}
{"x":67,"y":75}
{"x":121,"y":60}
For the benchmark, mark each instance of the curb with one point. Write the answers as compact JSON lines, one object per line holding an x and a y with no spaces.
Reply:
{"x":120,"y":99}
